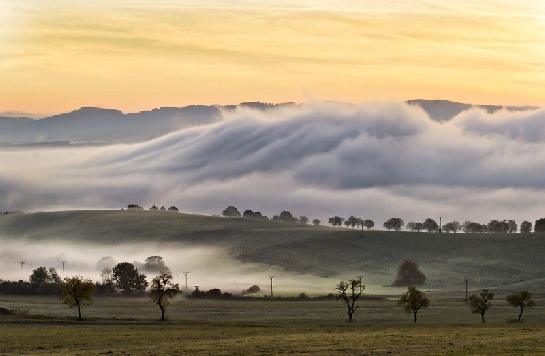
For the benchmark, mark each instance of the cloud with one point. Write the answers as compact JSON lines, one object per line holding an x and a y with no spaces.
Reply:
{"x":374,"y":160}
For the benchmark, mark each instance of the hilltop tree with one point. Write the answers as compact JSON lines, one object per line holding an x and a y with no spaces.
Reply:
{"x":350,"y":292}
{"x":285,"y":216}
{"x":453,"y":226}
{"x":413,"y":300}
{"x":369,"y":224}
{"x":162,"y":289}
{"x":525,"y":227}
{"x":394,"y":224}
{"x":512,"y":226}
{"x":408,"y":274}
{"x":128,"y":279}
{"x":316,"y":222}
{"x":231,"y":211}
{"x":303,"y":220}
{"x":431,"y":225}
{"x":76,"y":292}
{"x":481,"y":303}
{"x":335,"y":221}
{"x":352,"y":221}
{"x":521,"y":300}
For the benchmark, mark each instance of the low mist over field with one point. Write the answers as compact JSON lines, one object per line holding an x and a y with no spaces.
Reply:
{"x":374,"y":160}
{"x":208,"y":267}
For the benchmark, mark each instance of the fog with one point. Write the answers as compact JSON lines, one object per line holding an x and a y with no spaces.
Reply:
{"x":208,"y":267}
{"x":372,"y":160}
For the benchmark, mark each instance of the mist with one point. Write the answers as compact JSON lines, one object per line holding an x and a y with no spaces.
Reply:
{"x":208,"y":267}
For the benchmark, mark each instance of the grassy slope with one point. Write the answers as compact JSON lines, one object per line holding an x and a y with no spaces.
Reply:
{"x":487,"y":260}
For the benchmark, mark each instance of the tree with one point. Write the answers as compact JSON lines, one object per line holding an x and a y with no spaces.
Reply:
{"x":162,"y":289}
{"x":41,"y":276}
{"x":347,"y":223}
{"x":453,"y":226}
{"x":303,"y":220}
{"x":498,"y":226}
{"x":369,"y":224}
{"x":481,"y":303}
{"x":335,"y":221}
{"x":431,"y":225}
{"x":316,"y":222}
{"x":525,"y":227}
{"x":394,"y":224}
{"x":539,"y":225}
{"x":410,"y":225}
{"x":285,"y":216}
{"x":408,"y":274}
{"x":231,"y":211}
{"x":155,"y":264}
{"x":418,"y":227}
{"x":521,"y":300}
{"x":350,"y":292}
{"x":76,"y":292}
{"x":128,"y":279}
{"x":413,"y":300}
{"x":512,"y":226}
{"x":173,"y":209}
{"x":352,"y":221}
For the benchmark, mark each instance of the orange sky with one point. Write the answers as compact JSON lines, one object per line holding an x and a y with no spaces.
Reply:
{"x":60,"y":55}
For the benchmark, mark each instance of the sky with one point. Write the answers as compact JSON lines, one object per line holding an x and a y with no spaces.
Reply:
{"x":58,"y":55}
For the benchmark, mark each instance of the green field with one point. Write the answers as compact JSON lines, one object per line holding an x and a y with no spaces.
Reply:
{"x":128,"y":325}
{"x":488,"y":260}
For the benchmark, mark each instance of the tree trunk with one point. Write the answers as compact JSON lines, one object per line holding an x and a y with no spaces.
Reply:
{"x":414,"y":314}
{"x":482,"y":317}
{"x":521,"y":311}
{"x":162,"y":312}
{"x":79,"y":311}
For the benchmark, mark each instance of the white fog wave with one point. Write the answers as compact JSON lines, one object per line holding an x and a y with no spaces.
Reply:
{"x":374,"y":160}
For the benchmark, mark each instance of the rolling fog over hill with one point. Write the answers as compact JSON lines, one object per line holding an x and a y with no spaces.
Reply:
{"x":90,"y":125}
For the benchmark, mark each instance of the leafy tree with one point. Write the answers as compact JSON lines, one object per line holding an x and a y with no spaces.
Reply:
{"x":481,"y":303}
{"x":41,"y":276}
{"x":303,"y":220}
{"x":498,"y":226}
{"x":418,"y":227}
{"x":525,"y":227}
{"x":453,"y":226}
{"x":155,"y":264}
{"x":77,"y":291}
{"x":352,"y":221}
{"x":512,"y":226}
{"x":413,"y":300}
{"x":521,"y":300}
{"x":539,"y":225}
{"x":231,"y":211}
{"x":173,"y":209}
{"x":335,"y":221}
{"x":408,"y":274}
{"x":128,"y":279}
{"x":285,"y":216}
{"x":347,"y":223}
{"x":316,"y":222}
{"x":394,"y":224}
{"x":350,"y":292}
{"x":369,"y":224}
{"x":431,"y":225}
{"x":163,"y":289}
{"x":410,"y":225}
{"x":154,"y":208}
{"x":473,"y":227}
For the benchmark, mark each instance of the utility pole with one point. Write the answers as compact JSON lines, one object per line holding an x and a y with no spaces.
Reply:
{"x":63,"y":262}
{"x":466,"y":291}
{"x":271,"y":277}
{"x":186,"y":273}
{"x":440,"y":224}
{"x":22,"y":263}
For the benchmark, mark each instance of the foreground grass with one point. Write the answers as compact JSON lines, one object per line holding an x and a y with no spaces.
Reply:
{"x":267,"y":338}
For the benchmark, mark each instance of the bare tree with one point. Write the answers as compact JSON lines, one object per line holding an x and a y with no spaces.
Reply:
{"x":163,"y":289}
{"x":350,"y":292}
